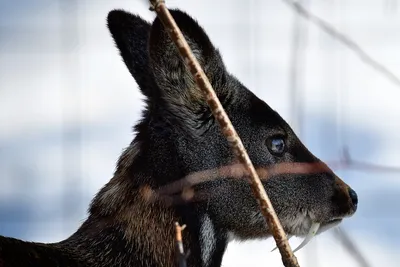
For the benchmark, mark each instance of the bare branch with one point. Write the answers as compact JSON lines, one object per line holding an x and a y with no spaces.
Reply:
{"x":329,"y":29}
{"x":182,"y":190}
{"x":347,"y":162}
{"x":180,"y":253}
{"x":363,"y":166}
{"x":237,"y":171}
{"x":351,"y":247}
{"x":229,"y":132}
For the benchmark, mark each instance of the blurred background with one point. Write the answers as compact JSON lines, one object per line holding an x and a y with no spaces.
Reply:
{"x":329,"y":67}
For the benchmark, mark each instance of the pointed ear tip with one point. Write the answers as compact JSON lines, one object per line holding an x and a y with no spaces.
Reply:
{"x":119,"y":16}
{"x":181,"y":15}
{"x":185,"y":22}
{"x":118,"y":19}
{"x":114,"y":18}
{"x":115,"y":15}
{"x":177,"y":11}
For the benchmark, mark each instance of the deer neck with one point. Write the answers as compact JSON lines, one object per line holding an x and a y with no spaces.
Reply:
{"x":121,"y":219}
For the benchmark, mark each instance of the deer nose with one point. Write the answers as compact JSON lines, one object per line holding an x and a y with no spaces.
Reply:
{"x":353,"y":197}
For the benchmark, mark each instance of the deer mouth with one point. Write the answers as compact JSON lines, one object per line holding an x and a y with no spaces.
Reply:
{"x":315,"y":229}
{"x":329,"y":225}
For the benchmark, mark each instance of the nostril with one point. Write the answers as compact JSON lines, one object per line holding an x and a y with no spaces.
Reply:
{"x":353,"y":196}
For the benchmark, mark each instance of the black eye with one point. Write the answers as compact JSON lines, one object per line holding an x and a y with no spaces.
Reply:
{"x":276,"y":145}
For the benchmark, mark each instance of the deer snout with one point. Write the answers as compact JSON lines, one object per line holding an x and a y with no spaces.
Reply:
{"x":353,"y":197}
{"x":345,"y":197}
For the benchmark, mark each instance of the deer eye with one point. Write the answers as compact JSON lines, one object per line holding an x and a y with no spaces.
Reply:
{"x":276,"y":145}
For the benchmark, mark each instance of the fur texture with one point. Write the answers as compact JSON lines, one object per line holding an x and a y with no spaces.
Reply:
{"x":177,"y":136}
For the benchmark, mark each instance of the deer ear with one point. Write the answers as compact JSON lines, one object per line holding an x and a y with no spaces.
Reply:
{"x":131,"y":33}
{"x":169,"y":69}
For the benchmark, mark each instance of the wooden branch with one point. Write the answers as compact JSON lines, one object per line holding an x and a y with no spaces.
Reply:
{"x":180,"y":253}
{"x":236,"y":171}
{"x":288,"y":258}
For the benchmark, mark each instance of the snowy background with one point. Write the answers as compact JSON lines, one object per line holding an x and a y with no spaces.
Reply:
{"x":67,"y":104}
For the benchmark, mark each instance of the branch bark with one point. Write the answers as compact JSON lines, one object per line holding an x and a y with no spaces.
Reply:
{"x":180,"y":253}
{"x":288,"y":258}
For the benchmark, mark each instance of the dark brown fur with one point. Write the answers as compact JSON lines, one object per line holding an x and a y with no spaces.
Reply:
{"x":178,"y":136}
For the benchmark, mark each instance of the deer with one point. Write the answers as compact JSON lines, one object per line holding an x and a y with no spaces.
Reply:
{"x":176,"y":137}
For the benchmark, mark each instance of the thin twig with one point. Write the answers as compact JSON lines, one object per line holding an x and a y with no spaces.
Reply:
{"x":180,"y":253}
{"x":348,"y":162}
{"x":288,"y":258}
{"x":237,"y":171}
{"x":182,"y":190}
{"x":329,"y":29}
{"x":351,"y":247}
{"x":296,"y":73}
{"x":363,"y":166}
